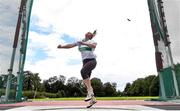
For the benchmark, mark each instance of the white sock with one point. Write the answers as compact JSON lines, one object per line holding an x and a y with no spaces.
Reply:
{"x":90,"y":91}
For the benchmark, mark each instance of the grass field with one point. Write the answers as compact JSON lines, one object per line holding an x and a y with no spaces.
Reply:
{"x":98,"y":98}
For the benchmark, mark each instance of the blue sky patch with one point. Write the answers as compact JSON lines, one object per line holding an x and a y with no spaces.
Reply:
{"x":39,"y":29}
{"x":74,"y":62}
{"x":68,"y":39}
{"x":39,"y":54}
{"x":5,"y":41}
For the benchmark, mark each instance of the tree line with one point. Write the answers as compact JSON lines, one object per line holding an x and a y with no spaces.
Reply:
{"x":60,"y":86}
{"x":73,"y":87}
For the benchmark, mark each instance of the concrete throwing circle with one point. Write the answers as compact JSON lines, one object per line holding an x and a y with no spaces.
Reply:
{"x":83,"y":108}
{"x":86,"y":109}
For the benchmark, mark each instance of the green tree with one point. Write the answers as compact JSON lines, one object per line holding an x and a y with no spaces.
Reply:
{"x":55,"y":84}
{"x":32,"y":81}
{"x":154,"y":87}
{"x":62,"y":79}
{"x":177,"y":70}
{"x":109,"y":89}
{"x":126,"y":91}
{"x":143,"y":87}
{"x":82,"y":88}
{"x":97,"y":86}
{"x":147,"y":83}
{"x":119,"y":93}
{"x":50,"y":84}
{"x":1,"y":82}
{"x":59,"y":84}
{"x":73,"y":86}
{"x":137,"y":87}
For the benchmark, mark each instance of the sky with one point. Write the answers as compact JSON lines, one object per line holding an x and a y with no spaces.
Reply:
{"x":125,"y":49}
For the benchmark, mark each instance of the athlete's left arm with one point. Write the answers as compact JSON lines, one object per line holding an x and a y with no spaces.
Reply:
{"x":91,"y":45}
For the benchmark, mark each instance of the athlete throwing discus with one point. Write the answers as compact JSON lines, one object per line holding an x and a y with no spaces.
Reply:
{"x":86,"y":47}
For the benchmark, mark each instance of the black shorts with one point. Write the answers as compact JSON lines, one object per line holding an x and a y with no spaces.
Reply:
{"x":88,"y":66}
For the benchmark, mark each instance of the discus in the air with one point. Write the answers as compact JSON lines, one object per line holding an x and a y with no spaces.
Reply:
{"x":95,"y":31}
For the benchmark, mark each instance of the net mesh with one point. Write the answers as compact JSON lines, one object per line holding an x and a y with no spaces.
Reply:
{"x":172,"y":14}
{"x":164,"y":16}
{"x":9,"y":14}
{"x":9,"y":10}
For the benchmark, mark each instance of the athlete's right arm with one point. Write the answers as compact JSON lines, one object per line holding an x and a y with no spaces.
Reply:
{"x":67,"y":46}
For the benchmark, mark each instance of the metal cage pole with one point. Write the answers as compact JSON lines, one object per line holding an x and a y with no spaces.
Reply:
{"x":24,"y":38}
{"x":167,"y":43}
{"x":20,"y":72}
{"x":10,"y":70}
{"x":156,"y":37}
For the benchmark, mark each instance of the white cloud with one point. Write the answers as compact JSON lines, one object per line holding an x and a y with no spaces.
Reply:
{"x":57,"y":60}
{"x":9,"y":14}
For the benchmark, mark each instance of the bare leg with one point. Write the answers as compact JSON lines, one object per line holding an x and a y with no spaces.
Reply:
{"x":87,"y":83}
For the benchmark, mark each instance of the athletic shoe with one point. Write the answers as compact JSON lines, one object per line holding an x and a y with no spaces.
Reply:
{"x":89,"y":97}
{"x":92,"y":102}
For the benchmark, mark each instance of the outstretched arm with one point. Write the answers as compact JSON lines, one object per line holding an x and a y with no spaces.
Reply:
{"x":67,"y":46}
